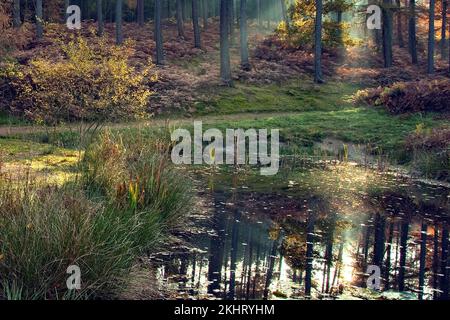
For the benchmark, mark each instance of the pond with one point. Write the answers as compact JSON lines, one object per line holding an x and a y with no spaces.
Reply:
{"x":311,"y":232}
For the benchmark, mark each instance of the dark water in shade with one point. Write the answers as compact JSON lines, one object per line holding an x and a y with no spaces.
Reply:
{"x":312,"y":233}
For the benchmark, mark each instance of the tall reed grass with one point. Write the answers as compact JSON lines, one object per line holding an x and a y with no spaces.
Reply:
{"x":126,"y":199}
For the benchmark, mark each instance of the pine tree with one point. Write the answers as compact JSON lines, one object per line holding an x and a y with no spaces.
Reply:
{"x":197,"y":40}
{"x":245,"y":64}
{"x":158,"y":33}
{"x":225,"y":70}
{"x":318,"y":43}
{"x":430,"y":58}
{"x":118,"y":18}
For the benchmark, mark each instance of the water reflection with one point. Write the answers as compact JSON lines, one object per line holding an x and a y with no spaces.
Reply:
{"x":311,"y":234}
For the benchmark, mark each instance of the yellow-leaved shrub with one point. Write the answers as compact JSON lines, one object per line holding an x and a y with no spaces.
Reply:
{"x":87,"y":84}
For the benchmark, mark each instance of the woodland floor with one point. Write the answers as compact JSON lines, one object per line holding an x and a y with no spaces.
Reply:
{"x":277,"y":93}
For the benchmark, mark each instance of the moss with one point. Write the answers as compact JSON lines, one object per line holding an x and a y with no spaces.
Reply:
{"x":295,"y":96}
{"x":58,"y":164}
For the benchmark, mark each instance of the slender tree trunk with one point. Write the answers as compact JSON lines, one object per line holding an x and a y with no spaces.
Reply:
{"x":430,"y":59}
{"x":400,"y":40}
{"x":140,"y":12}
{"x":205,"y":14}
{"x":16,"y":14}
{"x":39,"y":20}
{"x":444,"y":28}
{"x":66,"y":5}
{"x":197,"y":41}
{"x":158,"y":33}
{"x":119,"y":34}
{"x":318,"y":43}
{"x":100,"y":22}
{"x":183,"y":10}
{"x":231,"y":20}
{"x":387,"y":33}
{"x":180,"y":21}
{"x":412,"y":39}
{"x":284,"y":12}
{"x":423,"y":255}
{"x":244,"y":37}
{"x":225,"y":70}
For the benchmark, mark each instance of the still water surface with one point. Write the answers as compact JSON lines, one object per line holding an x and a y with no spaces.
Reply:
{"x":311,"y":232}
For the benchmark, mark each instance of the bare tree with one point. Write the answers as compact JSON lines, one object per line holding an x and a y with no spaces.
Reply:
{"x":245,"y":64}
{"x":119,"y":34}
{"x":16,"y":14}
{"x":431,"y":32}
{"x":197,"y":41}
{"x":158,"y":33}
{"x":39,"y":20}
{"x":205,"y":14}
{"x":412,"y":39}
{"x":387,"y":33}
{"x":225,"y":70}
{"x":318,"y":43}
{"x":180,"y":19}
{"x":443,"y":27}
{"x":401,"y":43}
{"x":140,"y":12}
{"x":100,"y":22}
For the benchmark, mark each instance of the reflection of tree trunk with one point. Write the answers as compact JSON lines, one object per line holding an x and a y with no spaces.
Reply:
{"x":388,"y":257}
{"x":403,"y":248}
{"x":378,"y":249}
{"x":423,"y":255}
{"x":367,"y":241}
{"x":309,"y":255}
{"x":234,"y":250}
{"x":250,"y":262}
{"x":337,"y":270}
{"x":329,"y":253}
{"x":258,"y":248}
{"x":397,"y":246}
{"x":216,"y":251}
{"x":435,"y":262}
{"x":270,"y":268}
{"x":444,"y":262}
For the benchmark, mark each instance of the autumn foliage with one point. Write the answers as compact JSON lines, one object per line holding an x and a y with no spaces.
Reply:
{"x":86,"y":84}
{"x":413,"y":96}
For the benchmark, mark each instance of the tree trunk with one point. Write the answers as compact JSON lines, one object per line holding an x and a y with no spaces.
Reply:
{"x":318,"y":43}
{"x":16,"y":14}
{"x":412,"y":39}
{"x":444,"y":28}
{"x":284,"y":12}
{"x":430,"y":59}
{"x":387,"y":34}
{"x":100,"y":23}
{"x":39,"y":20}
{"x":158,"y":33}
{"x":180,"y":21}
{"x":140,"y":12}
{"x":244,"y":36}
{"x":401,"y":43}
{"x":225,"y":70}
{"x":119,"y":35}
{"x":197,"y":42}
{"x":231,"y":20}
{"x":66,"y":5}
{"x":205,"y":14}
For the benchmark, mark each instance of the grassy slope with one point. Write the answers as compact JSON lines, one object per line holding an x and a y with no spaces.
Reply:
{"x":306,"y":113}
